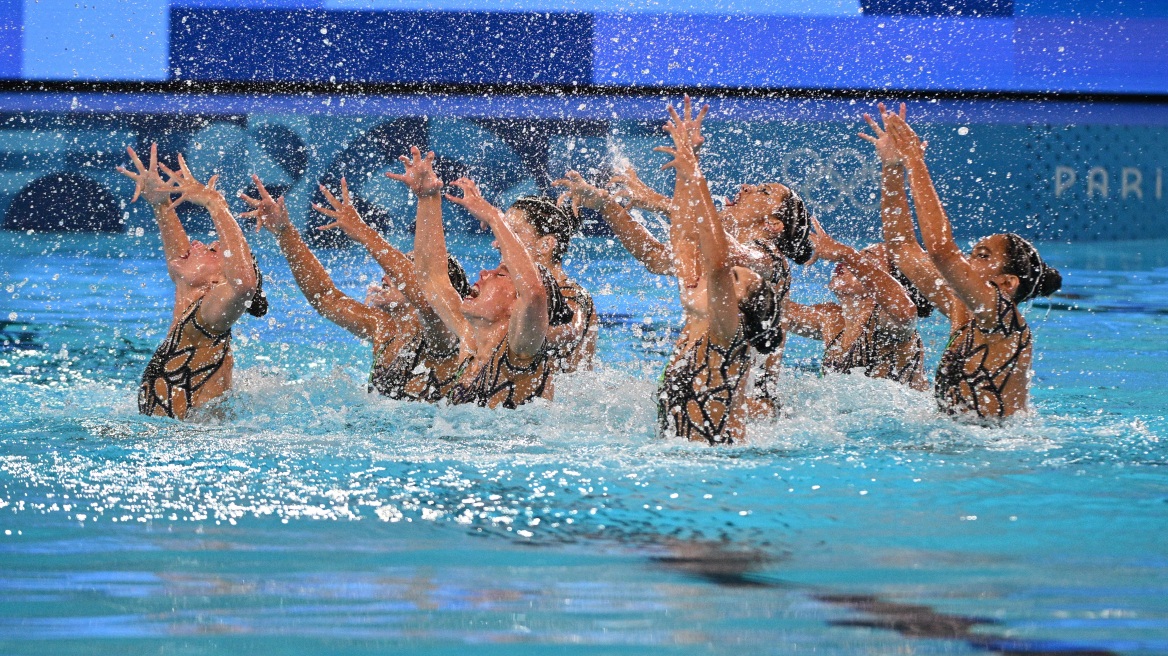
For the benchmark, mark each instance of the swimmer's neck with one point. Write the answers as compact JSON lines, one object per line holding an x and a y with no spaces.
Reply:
{"x":487,"y":334}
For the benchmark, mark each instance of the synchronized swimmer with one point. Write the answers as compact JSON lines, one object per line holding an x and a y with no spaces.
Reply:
{"x":501,"y":341}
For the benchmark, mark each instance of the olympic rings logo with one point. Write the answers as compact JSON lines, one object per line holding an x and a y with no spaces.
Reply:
{"x":845,"y":177}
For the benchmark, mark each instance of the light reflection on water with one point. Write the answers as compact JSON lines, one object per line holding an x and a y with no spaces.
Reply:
{"x":303,"y":508}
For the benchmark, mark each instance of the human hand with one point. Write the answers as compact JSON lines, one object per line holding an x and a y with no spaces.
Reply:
{"x":189,"y":188}
{"x":693,"y":124}
{"x":904,"y":139}
{"x":472,"y":201}
{"x":419,"y":175}
{"x":629,"y":186}
{"x":685,"y":160}
{"x":825,"y":247}
{"x":147,"y":182}
{"x":341,"y":211}
{"x":581,"y":193}
{"x":268,"y":212}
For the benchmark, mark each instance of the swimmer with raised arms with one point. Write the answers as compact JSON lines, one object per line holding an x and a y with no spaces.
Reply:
{"x":503,"y":322}
{"x":414,"y":357}
{"x":985,"y":369}
{"x":704,"y":392}
{"x":215,"y":284}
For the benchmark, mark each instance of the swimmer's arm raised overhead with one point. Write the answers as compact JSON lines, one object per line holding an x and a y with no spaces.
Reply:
{"x":634,"y":236}
{"x":528,"y":326}
{"x":149,"y":185}
{"x":226,"y":302}
{"x":889,"y":294}
{"x":430,"y":255}
{"x":936,"y":232}
{"x":393,"y":262}
{"x":897,"y":224}
{"x":696,"y":212}
{"x":311,"y":277}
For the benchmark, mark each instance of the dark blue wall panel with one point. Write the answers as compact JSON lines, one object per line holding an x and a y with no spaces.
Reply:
{"x":966,"y":8}
{"x":366,"y":46}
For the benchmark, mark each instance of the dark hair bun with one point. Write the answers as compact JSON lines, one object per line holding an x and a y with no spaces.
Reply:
{"x":1050,"y":282}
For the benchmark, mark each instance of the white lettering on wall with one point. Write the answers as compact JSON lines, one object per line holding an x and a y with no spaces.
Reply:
{"x":1133,"y":182}
{"x":1064,"y":179}
{"x":1097,"y":182}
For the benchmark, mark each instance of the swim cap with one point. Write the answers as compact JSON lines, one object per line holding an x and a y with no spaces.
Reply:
{"x":258,"y":305}
{"x":559,"y":312}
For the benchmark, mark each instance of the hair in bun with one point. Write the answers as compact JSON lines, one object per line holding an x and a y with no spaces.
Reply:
{"x":1035,"y":277}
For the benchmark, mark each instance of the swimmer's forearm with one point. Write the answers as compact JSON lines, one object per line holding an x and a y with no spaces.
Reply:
{"x":637,"y":239}
{"x":889,"y":294}
{"x":238,"y":266}
{"x":310,"y":275}
{"x":175,"y":242}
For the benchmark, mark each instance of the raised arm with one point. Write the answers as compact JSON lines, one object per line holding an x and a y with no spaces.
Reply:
{"x":889,"y":294}
{"x":226,"y":302}
{"x":528,"y":326}
{"x":398,"y":267}
{"x":973,"y":290}
{"x":430,"y":254}
{"x":148,"y":184}
{"x":695,"y":211}
{"x":311,"y":277}
{"x":897,"y":224}
{"x":634,"y":236}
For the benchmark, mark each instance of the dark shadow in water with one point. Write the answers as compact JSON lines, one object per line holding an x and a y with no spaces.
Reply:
{"x":733,"y":567}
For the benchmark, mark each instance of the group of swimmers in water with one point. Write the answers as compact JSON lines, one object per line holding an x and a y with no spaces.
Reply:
{"x":504,"y":339}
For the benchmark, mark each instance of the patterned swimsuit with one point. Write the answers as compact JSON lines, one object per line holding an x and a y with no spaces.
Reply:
{"x":566,"y":356}
{"x":189,"y":357}
{"x":701,"y":389}
{"x":880,"y":353}
{"x":414,"y":373}
{"x":502,"y":382}
{"x":978,"y":364}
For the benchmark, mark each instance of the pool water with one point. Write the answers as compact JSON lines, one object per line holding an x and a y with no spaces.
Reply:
{"x":306,"y":516}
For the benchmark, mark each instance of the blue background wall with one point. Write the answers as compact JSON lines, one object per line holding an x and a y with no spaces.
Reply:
{"x":980,"y":45}
{"x":1055,"y":170}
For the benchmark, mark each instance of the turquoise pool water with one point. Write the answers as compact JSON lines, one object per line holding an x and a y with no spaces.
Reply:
{"x":310,"y":517}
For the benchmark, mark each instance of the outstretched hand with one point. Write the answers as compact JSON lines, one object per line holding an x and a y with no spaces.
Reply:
{"x":472,"y":201}
{"x":903,"y":137}
{"x":630,"y":186}
{"x":419,"y":174}
{"x":685,"y":160}
{"x":189,"y":188}
{"x":341,"y":211}
{"x":581,"y":193}
{"x":268,"y":212}
{"x":147,"y":182}
{"x":692,"y":124}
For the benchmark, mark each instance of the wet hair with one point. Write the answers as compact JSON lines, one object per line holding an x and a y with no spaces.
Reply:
{"x":795,"y":241}
{"x":458,"y":278}
{"x":918,"y":298}
{"x":559,"y":312}
{"x":258,"y":305}
{"x":547,"y":218}
{"x":1035,"y":277}
{"x":762,"y":319}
